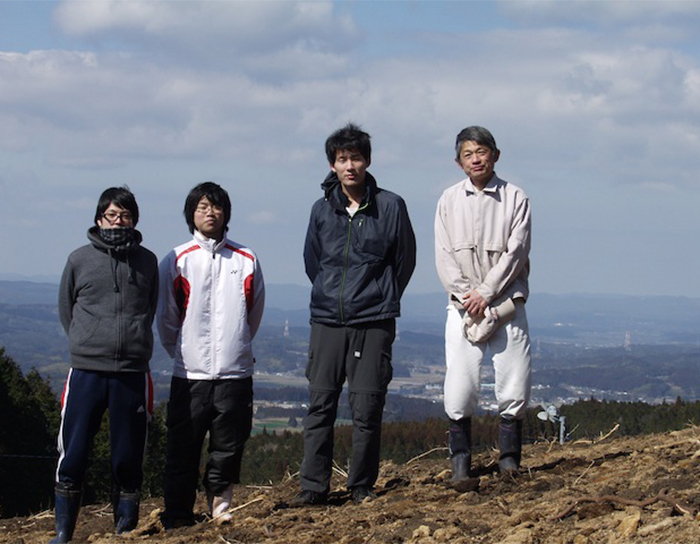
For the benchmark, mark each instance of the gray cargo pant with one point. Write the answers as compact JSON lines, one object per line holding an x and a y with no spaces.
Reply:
{"x":362,"y":354}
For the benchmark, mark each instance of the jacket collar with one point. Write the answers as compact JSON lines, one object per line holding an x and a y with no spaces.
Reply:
{"x":491,"y":186}
{"x":97,"y":241}
{"x":334,"y":193}
{"x":209,"y":244}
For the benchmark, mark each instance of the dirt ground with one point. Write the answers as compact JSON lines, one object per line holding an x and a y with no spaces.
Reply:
{"x":613,"y":490}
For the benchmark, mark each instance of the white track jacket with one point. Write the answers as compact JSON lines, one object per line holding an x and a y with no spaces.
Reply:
{"x":210,"y":306}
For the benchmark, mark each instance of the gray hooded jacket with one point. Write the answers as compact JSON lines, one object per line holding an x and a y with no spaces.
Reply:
{"x":106,"y":303}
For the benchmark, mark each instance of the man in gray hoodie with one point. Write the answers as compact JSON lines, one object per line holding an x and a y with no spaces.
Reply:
{"x":107,"y":302}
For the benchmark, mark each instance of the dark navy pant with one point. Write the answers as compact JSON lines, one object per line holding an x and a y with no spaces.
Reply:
{"x":129,"y":398}
{"x":224,"y":408}
{"x":362,"y":354}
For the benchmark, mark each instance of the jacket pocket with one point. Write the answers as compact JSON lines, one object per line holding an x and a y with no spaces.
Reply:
{"x":96,"y":337}
{"x":493,"y":251}
{"x":374,"y":250}
{"x":465,"y":256}
{"x":386,"y":369}
{"x":370,"y":243}
{"x":82,"y":326}
{"x":138,"y":338}
{"x":498,"y":247}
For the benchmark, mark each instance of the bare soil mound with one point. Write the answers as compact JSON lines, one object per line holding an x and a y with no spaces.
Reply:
{"x":615,"y":490}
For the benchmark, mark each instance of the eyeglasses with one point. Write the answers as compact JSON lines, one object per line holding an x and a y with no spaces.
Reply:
{"x":204,"y":209}
{"x":113,"y":217}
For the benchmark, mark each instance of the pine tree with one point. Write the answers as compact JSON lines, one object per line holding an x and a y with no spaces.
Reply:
{"x":27,"y":440}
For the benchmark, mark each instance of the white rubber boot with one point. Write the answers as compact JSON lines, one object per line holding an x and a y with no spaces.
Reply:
{"x":220,"y":505}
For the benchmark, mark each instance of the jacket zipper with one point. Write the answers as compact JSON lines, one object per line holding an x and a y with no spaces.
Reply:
{"x":212,"y":308}
{"x":345,"y":263}
{"x":120,"y":319}
{"x":345,"y":272}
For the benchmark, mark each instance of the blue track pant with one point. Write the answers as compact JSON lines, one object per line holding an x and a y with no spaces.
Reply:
{"x":129,"y":398}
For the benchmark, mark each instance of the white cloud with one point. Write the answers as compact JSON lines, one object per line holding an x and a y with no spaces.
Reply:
{"x":263,"y":217}
{"x":241,"y":20}
{"x":603,"y":12}
{"x":658,"y":187}
{"x":103,"y":109}
{"x":162,"y":95}
{"x":203,"y":31}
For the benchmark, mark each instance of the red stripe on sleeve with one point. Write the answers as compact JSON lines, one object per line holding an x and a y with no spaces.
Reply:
{"x":241,"y":252}
{"x":182,"y":295}
{"x":249,"y":292}
{"x":188,"y":250}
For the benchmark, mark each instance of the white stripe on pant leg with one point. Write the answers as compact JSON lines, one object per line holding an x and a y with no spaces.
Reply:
{"x":510,"y":346}
{"x":148,"y":385}
{"x":463,"y":361}
{"x":64,"y":402}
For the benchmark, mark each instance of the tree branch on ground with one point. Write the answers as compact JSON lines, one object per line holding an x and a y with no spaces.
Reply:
{"x":662,"y":495}
{"x":426,"y":453}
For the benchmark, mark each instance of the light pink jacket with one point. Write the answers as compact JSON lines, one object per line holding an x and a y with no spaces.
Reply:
{"x":482,"y":240}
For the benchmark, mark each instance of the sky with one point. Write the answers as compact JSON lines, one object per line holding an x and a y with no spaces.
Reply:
{"x":595,"y":106}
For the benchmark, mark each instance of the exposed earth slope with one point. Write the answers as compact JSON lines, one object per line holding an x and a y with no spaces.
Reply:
{"x":615,"y":490}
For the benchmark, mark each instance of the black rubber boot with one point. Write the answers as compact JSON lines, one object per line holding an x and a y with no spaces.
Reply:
{"x":126,"y":511}
{"x":510,"y":439}
{"x":67,"y":507}
{"x":460,"y":448}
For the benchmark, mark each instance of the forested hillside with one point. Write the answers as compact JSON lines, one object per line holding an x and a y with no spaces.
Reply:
{"x":30,"y":417}
{"x":608,"y":489}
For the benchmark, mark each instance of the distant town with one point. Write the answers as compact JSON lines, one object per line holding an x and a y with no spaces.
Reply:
{"x":584,"y":346}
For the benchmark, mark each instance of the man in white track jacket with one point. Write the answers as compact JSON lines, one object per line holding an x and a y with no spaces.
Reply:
{"x":211,"y":304}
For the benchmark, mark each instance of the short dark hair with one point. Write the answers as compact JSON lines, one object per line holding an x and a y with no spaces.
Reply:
{"x":119,"y":196}
{"x":215,"y":194}
{"x":480,"y":135}
{"x":350,"y":137}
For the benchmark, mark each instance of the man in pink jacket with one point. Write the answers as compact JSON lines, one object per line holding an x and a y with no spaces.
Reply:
{"x":482,"y":246}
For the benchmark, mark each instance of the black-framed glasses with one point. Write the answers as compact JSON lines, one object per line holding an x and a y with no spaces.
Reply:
{"x":112,"y":217}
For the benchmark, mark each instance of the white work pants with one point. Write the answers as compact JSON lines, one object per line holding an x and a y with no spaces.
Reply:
{"x":510,"y":351}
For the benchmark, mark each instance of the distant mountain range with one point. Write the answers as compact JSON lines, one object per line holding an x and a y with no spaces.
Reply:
{"x":602,"y":320}
{"x":617,"y":347}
